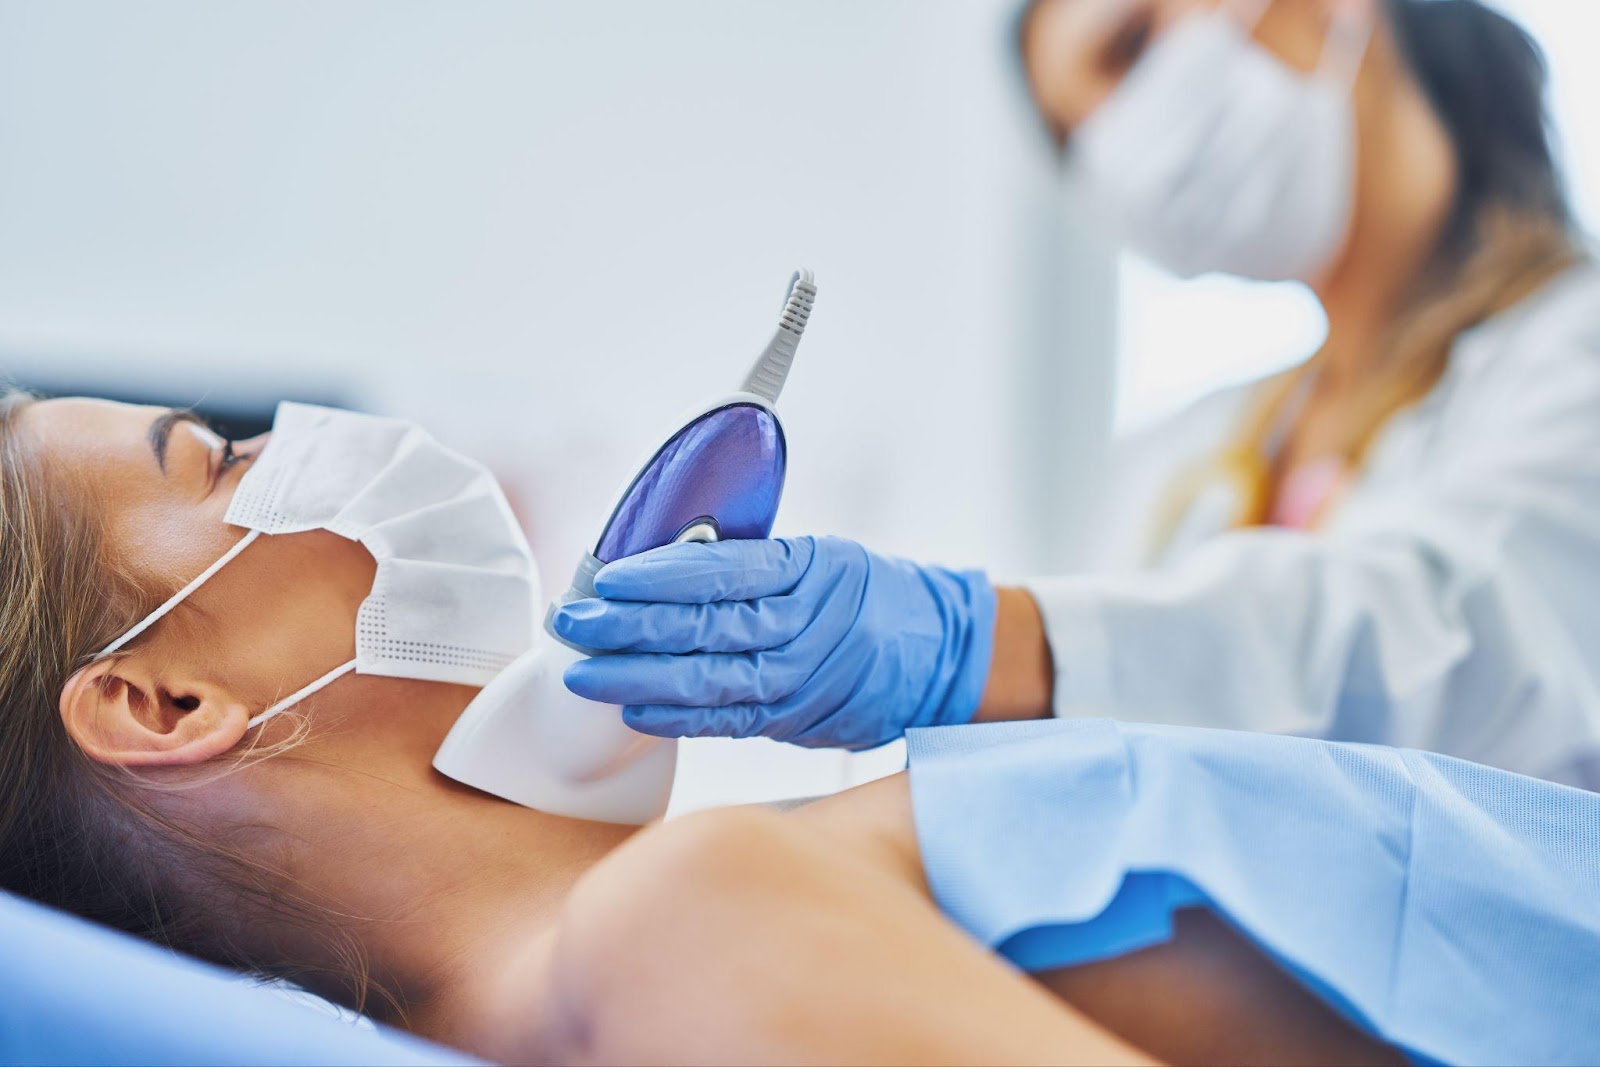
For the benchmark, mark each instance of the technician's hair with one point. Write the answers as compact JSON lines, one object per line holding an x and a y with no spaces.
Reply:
{"x":88,"y":838}
{"x":1509,"y":231}
{"x":1486,"y":79}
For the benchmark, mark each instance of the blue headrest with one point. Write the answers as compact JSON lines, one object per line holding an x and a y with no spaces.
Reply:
{"x":72,"y":992}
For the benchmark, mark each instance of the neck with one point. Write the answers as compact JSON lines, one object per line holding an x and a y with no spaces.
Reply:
{"x":1405,"y":188}
{"x":471,"y":960}
{"x":453,"y":894}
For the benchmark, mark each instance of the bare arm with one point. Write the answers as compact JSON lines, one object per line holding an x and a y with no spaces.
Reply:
{"x":1021,"y":675}
{"x":1208,"y":996}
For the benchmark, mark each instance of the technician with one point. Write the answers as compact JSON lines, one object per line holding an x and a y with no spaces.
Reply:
{"x":1398,"y":542}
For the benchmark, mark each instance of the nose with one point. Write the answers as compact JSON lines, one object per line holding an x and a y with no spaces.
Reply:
{"x":253,"y":446}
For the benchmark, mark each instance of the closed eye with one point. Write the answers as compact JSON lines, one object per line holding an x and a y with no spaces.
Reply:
{"x":225,"y":460}
{"x":229,"y":457}
{"x":159,"y":435}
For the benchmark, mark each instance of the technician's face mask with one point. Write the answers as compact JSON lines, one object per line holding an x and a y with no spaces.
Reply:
{"x":455,"y":591}
{"x":1215,"y":155}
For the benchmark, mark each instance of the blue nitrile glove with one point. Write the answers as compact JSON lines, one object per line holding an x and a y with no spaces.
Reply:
{"x":811,"y":640}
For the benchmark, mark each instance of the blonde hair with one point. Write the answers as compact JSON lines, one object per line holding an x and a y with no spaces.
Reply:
{"x":1517,"y":257}
{"x":84,"y":837}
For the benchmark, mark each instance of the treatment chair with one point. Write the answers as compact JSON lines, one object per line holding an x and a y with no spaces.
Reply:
{"x":75,"y":993}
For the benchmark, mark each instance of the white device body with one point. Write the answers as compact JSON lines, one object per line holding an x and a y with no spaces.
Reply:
{"x":529,"y":739}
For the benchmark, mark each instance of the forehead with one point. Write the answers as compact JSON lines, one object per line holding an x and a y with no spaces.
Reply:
{"x":160,"y":524}
{"x":1073,"y":51}
{"x":1081,"y":38}
{"x":80,"y":424}
{"x":94,"y":444}
{"x":98,"y":442}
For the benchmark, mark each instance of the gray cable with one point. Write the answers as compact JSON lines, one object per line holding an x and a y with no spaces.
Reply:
{"x":772,"y":369}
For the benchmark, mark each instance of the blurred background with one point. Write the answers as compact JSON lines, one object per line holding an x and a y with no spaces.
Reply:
{"x":547,"y":230}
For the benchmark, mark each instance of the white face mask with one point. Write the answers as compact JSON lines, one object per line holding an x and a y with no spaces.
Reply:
{"x":1214,"y":155}
{"x":455,"y":592}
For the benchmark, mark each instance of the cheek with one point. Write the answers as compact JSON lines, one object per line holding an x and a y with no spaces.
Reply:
{"x":167,"y":538}
{"x":304,"y":584}
{"x":284,"y":610}
{"x":164,"y":530}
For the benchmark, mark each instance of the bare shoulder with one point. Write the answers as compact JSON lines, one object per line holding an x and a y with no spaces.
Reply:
{"x":711,"y":858}
{"x":705,"y":938}
{"x":747,"y":934}
{"x":745,"y":864}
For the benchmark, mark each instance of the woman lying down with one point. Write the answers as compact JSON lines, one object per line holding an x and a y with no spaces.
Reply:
{"x":1068,"y":892}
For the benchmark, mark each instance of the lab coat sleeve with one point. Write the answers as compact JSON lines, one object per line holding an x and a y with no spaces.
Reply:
{"x":1451,"y":909}
{"x":1452,"y":615}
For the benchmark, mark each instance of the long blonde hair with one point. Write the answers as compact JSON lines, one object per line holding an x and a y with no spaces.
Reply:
{"x":81,"y":836}
{"x":1517,"y":257}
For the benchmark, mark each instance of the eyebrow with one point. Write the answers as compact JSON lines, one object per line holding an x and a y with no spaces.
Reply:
{"x":160,"y":432}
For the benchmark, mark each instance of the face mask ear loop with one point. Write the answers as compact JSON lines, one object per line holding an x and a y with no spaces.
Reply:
{"x":1349,"y":32}
{"x":1349,"y":35}
{"x":300,"y":694}
{"x":177,"y":598}
{"x":1247,"y":13}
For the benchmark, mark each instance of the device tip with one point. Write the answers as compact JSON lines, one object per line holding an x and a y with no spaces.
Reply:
{"x":772,"y":369}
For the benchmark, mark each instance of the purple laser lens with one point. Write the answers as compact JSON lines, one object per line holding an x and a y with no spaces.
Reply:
{"x":727,"y":466}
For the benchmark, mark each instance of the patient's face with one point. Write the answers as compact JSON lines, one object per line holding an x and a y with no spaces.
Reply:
{"x":279,"y":615}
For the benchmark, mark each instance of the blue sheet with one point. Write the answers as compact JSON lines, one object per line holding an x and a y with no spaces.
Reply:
{"x":1449,"y":908}
{"x":72,"y":993}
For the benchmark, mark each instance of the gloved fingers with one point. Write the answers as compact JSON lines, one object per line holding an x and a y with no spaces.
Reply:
{"x":785,"y":721}
{"x":697,"y":573}
{"x":729,"y":626}
{"x":666,"y":720}
{"x":703,"y":680}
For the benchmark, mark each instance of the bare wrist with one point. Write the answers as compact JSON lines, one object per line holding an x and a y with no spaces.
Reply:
{"x":1021,"y":673}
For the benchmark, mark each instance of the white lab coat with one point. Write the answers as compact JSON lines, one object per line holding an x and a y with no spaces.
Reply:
{"x":1452,"y":603}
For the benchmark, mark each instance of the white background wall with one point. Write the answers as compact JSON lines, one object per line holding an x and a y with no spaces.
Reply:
{"x":547,"y":229}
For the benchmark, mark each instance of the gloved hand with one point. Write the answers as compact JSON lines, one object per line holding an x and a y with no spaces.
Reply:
{"x":811,"y":640}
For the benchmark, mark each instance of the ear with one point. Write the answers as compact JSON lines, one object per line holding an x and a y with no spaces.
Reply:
{"x":120,"y":711}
